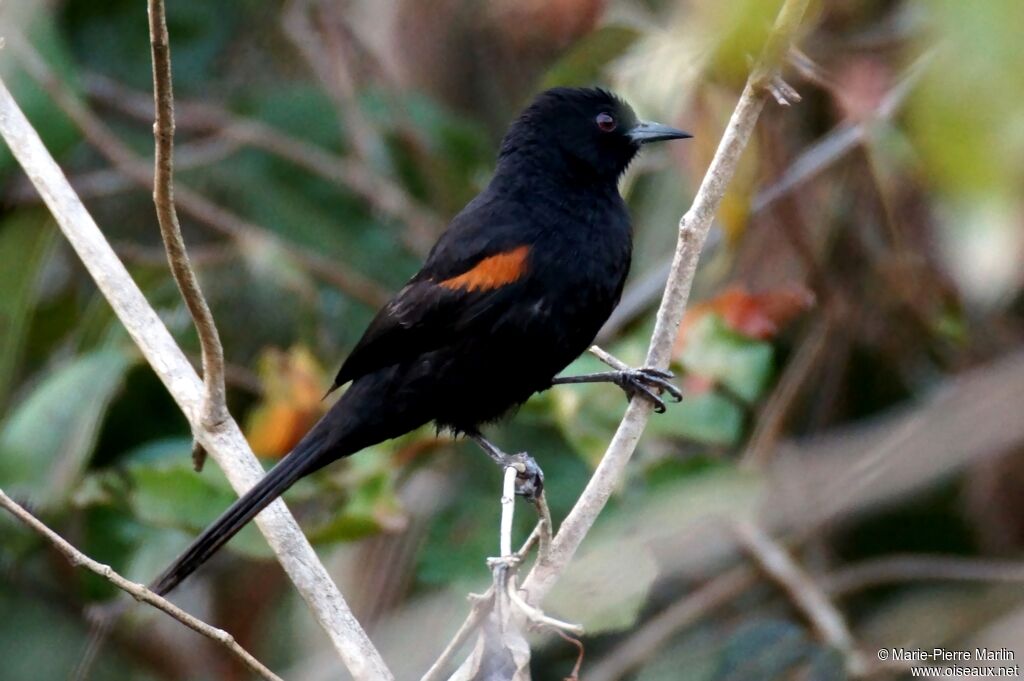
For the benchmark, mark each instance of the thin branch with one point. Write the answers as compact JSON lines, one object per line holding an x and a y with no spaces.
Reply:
{"x":338,"y":55}
{"x":815,"y":159}
{"x":535,"y":616}
{"x":508,"y":509}
{"x":215,"y":408}
{"x":137,"y":591}
{"x":920,"y":568}
{"x":828,"y":623}
{"x":544,"y":528}
{"x":835,"y":144}
{"x":111,"y":181}
{"x":482,"y":606}
{"x":693,"y":230}
{"x":190,"y":202}
{"x":381,"y":194}
{"x":608,"y":358}
{"x":226,"y":443}
{"x":772,"y":418}
{"x":650,"y":637}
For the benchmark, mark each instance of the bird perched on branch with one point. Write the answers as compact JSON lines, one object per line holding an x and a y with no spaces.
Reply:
{"x":514,"y":290}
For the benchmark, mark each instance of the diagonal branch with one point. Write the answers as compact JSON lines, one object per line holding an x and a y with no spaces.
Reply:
{"x":226,"y":444}
{"x":215,"y":409}
{"x":189,"y":201}
{"x":693,"y":230}
{"x":382,"y":194}
{"x":828,"y":623}
{"x":137,"y":591}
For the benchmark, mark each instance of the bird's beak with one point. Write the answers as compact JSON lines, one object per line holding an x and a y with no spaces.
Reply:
{"x":648,"y":131}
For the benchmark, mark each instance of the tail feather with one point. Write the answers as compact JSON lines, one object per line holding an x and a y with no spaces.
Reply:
{"x":304,"y":459}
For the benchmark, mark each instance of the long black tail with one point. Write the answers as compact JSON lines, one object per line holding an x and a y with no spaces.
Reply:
{"x":309,"y":455}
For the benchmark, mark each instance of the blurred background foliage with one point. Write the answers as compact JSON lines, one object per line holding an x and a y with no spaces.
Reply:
{"x":867,"y":265}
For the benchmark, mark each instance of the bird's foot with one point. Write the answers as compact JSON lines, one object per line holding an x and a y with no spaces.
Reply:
{"x":529,"y":476}
{"x":648,"y":384}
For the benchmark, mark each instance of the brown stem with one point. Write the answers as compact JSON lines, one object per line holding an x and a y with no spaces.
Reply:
{"x":190,"y":202}
{"x":215,"y":410}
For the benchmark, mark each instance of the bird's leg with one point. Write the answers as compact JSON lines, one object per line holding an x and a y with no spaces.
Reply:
{"x":529,"y":476}
{"x":646,"y":383}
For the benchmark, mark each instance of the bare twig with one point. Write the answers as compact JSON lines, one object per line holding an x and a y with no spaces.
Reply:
{"x":189,"y":201}
{"x":379,"y":192}
{"x":835,"y":144}
{"x":829,"y":149}
{"x":508,"y":509}
{"x":481,"y":608}
{"x":338,"y":56}
{"x":650,"y":637}
{"x":608,"y":358}
{"x":772,"y":419}
{"x":693,"y":229}
{"x":137,"y":591}
{"x":226,"y":443}
{"x":482,"y":604}
{"x":920,"y":568}
{"x":828,"y":623}
{"x":535,"y":616}
{"x":215,"y":409}
{"x":544,"y":528}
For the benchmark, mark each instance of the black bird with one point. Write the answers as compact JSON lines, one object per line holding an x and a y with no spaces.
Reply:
{"x":514,"y":290}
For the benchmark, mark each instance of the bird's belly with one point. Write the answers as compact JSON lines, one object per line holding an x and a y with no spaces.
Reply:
{"x":478,"y":380}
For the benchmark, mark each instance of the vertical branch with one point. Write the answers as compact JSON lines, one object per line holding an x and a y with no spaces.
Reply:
{"x":214,"y":410}
{"x":508,"y":509}
{"x":693,"y":231}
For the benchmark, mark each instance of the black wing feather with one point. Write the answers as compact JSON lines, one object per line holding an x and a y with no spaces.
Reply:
{"x":424,"y":315}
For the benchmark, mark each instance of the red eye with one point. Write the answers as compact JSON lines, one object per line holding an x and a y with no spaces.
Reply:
{"x":606,"y":122}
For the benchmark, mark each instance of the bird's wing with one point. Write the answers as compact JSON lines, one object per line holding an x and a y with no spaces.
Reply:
{"x":452,"y":294}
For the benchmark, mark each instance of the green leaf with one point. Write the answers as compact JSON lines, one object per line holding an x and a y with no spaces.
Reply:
{"x":734,"y":361}
{"x":26,"y":239}
{"x":372,"y":507}
{"x":47,"y":440}
{"x":163,"y":490}
{"x":709,"y":417}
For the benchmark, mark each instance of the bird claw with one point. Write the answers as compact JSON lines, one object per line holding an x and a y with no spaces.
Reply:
{"x":529,"y":476}
{"x":648,"y":384}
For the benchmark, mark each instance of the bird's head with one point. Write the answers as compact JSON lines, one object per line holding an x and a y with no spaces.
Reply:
{"x":582,"y":131}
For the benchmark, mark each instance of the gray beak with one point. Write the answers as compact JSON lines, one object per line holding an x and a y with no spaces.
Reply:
{"x":648,"y":131}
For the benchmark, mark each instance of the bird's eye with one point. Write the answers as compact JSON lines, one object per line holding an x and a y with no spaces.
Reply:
{"x":606,"y":122}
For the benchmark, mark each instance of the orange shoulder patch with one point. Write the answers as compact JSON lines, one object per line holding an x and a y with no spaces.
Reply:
{"x":491,"y":273}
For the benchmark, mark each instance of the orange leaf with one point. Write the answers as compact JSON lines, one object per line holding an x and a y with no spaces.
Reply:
{"x":293,"y":385}
{"x":755,"y":315}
